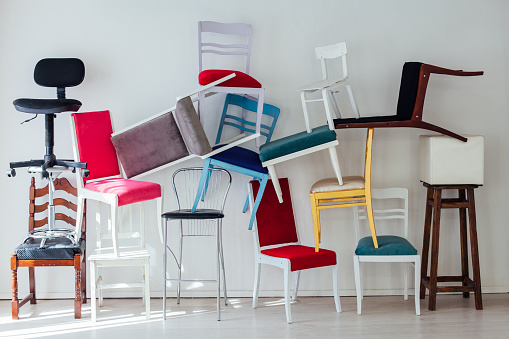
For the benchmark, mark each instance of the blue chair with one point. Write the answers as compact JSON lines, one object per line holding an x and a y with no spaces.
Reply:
{"x":238,"y":159}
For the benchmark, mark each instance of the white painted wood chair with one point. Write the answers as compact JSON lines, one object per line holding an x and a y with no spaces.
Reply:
{"x":390,"y":204}
{"x":215,"y":38}
{"x":116,"y":245}
{"x":276,"y":243}
{"x":329,"y":85}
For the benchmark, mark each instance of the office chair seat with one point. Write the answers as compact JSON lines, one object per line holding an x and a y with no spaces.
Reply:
{"x":46,"y":106}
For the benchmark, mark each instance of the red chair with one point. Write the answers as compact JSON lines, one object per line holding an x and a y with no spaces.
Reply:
{"x":92,"y":144}
{"x":276,"y":243}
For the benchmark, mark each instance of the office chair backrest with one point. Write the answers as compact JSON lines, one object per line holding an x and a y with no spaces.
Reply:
{"x":410,"y":78}
{"x":59,"y":72}
{"x":243,"y":124}
{"x":275,"y":222}
{"x":93,"y":135}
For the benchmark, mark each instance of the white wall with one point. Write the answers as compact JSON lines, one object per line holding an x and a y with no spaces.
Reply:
{"x":140,"y":55}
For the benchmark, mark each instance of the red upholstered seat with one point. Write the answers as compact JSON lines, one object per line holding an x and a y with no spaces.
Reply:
{"x":303,"y":257}
{"x":240,"y":80}
{"x":128,"y":191}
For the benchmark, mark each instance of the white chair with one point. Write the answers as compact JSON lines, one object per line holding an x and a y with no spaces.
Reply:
{"x":214,"y":38}
{"x":276,"y":243}
{"x":92,"y":144}
{"x":328,"y":85}
{"x":390,"y":204}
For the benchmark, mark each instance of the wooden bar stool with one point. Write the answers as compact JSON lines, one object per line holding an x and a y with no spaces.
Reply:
{"x":434,"y":204}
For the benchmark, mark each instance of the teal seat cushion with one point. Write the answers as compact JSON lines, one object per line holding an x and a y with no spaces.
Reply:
{"x":296,"y":142}
{"x":387,"y":245}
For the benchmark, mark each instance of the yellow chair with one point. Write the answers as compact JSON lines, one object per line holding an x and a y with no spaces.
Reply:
{"x":355,"y":191}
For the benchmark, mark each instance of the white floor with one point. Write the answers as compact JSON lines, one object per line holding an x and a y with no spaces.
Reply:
{"x":314,"y":317}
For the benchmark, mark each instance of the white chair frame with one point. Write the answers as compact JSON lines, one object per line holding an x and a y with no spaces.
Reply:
{"x":406,"y":260}
{"x":284,"y":264}
{"x":229,"y":49}
{"x":115,"y":255}
{"x":327,"y":85}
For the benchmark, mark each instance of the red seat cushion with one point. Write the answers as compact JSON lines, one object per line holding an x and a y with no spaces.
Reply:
{"x":303,"y":257}
{"x":240,"y":80}
{"x":128,"y":191}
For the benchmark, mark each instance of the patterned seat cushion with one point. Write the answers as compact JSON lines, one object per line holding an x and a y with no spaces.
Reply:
{"x":296,"y":142}
{"x":54,"y":249}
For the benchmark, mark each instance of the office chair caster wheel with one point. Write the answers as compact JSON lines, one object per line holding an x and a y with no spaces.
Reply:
{"x":11,"y":173}
{"x":85,"y":173}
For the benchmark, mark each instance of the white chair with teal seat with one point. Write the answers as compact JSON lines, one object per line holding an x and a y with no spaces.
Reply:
{"x":389,"y":204}
{"x":239,"y":159}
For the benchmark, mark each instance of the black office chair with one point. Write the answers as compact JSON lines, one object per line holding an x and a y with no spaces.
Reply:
{"x":59,"y":73}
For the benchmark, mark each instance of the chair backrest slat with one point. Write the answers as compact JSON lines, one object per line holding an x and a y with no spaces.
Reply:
{"x":269,"y":111}
{"x":222,"y":48}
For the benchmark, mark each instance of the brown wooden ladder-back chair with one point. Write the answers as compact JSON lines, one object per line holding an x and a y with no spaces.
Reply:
{"x":56,"y":251}
{"x":414,"y":81}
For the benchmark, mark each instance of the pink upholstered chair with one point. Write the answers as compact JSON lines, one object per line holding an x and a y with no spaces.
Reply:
{"x":92,"y":144}
{"x":213,"y":39}
{"x":276,"y":243}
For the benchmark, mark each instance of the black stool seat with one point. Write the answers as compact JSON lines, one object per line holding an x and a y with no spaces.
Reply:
{"x":46,"y":106}
{"x":54,"y":249}
{"x":199,"y":214}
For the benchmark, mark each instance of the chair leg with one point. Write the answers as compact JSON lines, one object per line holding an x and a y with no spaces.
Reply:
{"x":263,"y":184}
{"x":305,"y":110}
{"x":146,"y":280}
{"x":358,"y":288}
{"x":225,"y":293}
{"x":256,"y":288}
{"x":259,"y":114}
{"x":405,"y":280}
{"x":315,"y":215}
{"x":334,"y":104}
{"x":371,"y":220}
{"x":31,"y":280}
{"x":275,"y":182}
{"x":287,"y":272}
{"x":327,"y":108}
{"x":335,"y":288}
{"x":417,"y":284}
{"x":201,"y":98}
{"x":77,"y":286}
{"x":179,"y":283}
{"x":93,"y":287}
{"x":99,"y":279}
{"x":218,"y":273}
{"x":202,"y":184}
{"x":296,"y":285}
{"x":165,"y":260}
{"x":352,"y":101}
{"x":335,"y":164}
{"x":15,"y":300}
